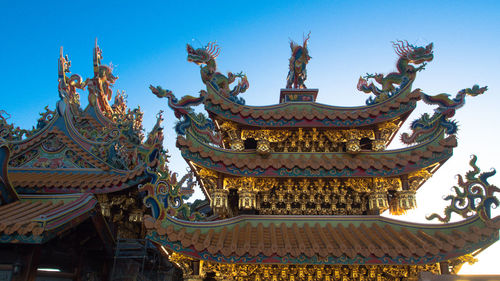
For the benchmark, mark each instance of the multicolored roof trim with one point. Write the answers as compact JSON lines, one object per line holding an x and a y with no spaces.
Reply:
{"x":309,"y":164}
{"x":100,"y":149}
{"x":331,"y":239}
{"x":307,"y":114}
{"x":35,"y":219}
{"x":322,"y":239}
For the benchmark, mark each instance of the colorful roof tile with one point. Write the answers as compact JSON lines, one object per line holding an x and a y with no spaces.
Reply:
{"x":308,"y":114}
{"x":362,"y":164}
{"x":38,"y":218}
{"x":322,"y":239}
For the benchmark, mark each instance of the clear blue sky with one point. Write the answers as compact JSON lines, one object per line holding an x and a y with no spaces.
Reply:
{"x":145,"y":41}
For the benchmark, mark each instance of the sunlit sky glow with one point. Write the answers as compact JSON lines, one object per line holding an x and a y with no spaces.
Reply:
{"x":145,"y":42}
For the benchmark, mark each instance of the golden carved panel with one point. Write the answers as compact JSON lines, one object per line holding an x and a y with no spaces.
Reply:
{"x":309,"y":139}
{"x":281,"y":272}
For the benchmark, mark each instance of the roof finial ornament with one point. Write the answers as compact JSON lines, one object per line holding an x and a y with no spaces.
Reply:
{"x":68,"y":85}
{"x":63,"y":67}
{"x":297,"y":73}
{"x":473,"y":196}
{"x":411,"y":60}
{"x":97,"y":57}
{"x":100,"y":86}
{"x":205,"y":58}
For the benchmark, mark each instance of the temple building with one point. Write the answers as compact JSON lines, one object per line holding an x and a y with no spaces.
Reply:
{"x":69,"y":196}
{"x":297,"y":188}
{"x":294,"y":191}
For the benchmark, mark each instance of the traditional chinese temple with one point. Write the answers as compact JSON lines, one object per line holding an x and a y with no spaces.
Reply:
{"x":69,"y":197}
{"x":297,"y":188}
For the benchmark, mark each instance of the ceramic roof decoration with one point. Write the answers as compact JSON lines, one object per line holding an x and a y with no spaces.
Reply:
{"x":100,"y":149}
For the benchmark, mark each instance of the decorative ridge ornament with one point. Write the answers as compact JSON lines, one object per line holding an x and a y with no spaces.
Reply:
{"x":297,"y":74}
{"x":68,"y":85}
{"x":428,"y":126}
{"x":205,"y":58}
{"x":200,"y":125}
{"x":405,"y":75}
{"x":474,"y":196}
{"x":165,"y":195}
{"x":10,"y":133}
{"x":100,"y":85}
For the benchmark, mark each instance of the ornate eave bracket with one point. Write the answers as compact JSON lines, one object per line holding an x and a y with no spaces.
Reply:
{"x":473,"y":196}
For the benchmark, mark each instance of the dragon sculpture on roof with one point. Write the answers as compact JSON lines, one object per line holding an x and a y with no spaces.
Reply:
{"x":427,"y":126}
{"x":164,"y":194}
{"x":199,"y":124}
{"x":409,"y":55}
{"x":205,"y":58}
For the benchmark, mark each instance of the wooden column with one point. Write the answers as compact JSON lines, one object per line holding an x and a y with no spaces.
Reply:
{"x":445,"y":267}
{"x":29,"y":265}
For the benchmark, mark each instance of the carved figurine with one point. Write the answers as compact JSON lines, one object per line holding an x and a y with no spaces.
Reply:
{"x":297,"y":74}
{"x":100,"y":85}
{"x":68,"y":85}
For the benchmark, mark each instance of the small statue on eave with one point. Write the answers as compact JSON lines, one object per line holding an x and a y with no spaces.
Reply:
{"x":297,"y":74}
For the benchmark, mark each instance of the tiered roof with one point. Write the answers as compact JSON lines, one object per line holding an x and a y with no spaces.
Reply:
{"x":211,"y":147}
{"x":208,"y":143}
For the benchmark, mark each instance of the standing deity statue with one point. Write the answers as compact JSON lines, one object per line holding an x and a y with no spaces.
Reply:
{"x":297,"y":74}
{"x":100,"y":86}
